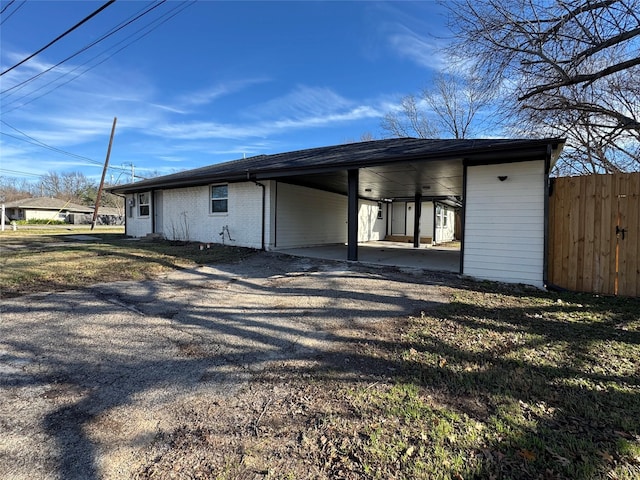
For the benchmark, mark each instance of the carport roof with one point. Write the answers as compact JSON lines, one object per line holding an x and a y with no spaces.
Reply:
{"x":392,"y":168}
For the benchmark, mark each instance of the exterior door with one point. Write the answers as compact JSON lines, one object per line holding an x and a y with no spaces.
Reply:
{"x":157,"y":212}
{"x":398,"y":218}
{"x":627,"y":228}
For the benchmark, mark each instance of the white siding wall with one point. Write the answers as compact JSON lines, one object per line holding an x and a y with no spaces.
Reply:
{"x":32,"y":214}
{"x":306,"y":217}
{"x":504,"y":223}
{"x":426,"y":218}
{"x":370,"y":227}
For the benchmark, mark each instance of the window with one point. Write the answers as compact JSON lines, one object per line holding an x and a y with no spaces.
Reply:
{"x":379,"y":210}
{"x":441,"y":216}
{"x":143,"y":204}
{"x":219,"y":198}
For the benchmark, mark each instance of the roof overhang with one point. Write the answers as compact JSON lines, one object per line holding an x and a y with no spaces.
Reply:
{"x":388,"y":169}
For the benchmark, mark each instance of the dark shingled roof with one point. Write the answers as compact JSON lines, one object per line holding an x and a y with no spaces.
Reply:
{"x":48,"y":203}
{"x":353,"y":155}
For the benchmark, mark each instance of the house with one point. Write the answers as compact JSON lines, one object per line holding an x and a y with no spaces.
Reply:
{"x":353,"y":193}
{"x":43,"y":208}
{"x":47,"y":208}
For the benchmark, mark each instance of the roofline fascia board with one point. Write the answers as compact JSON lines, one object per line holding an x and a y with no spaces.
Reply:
{"x":182,"y":183}
{"x":485,"y":154}
{"x":517,"y":151}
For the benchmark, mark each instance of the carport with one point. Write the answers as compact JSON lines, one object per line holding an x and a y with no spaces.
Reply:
{"x":319,"y":194}
{"x":415,"y":181}
{"x":418,"y":170}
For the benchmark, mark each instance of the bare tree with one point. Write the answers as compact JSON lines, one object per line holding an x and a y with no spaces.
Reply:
{"x":72,"y":186}
{"x":566,"y":67}
{"x":410,"y":120}
{"x":448,"y":109}
{"x":14,"y":189}
{"x":456,"y":102}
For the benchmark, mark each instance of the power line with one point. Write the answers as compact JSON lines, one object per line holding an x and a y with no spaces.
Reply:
{"x":7,"y":6}
{"x":169,"y":15}
{"x":38,"y":143}
{"x":87,"y":47}
{"x":14,"y":11}
{"x":20,"y":173}
{"x":81,"y":22}
{"x":44,"y":145}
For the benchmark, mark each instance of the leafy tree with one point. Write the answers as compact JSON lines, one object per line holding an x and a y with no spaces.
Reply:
{"x":564,"y":67}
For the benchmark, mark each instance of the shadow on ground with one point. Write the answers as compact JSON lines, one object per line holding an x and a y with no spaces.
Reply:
{"x":91,"y":377}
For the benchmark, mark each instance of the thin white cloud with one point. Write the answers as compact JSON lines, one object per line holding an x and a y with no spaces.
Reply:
{"x":301,"y":102}
{"x":419,"y":49}
{"x":354,"y":114}
{"x":305,"y":111}
{"x":209,"y":94}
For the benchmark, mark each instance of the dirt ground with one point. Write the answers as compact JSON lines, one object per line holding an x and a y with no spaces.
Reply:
{"x":216,"y":372}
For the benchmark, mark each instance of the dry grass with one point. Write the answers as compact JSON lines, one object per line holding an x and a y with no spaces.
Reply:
{"x":499,"y":384}
{"x":40,"y":260}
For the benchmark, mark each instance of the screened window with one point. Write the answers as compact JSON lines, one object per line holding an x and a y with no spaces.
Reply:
{"x":219,"y":198}
{"x":379,"y":210}
{"x":143,"y":204}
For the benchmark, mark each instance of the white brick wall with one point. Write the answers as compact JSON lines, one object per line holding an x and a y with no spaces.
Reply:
{"x":504,"y":223}
{"x":187,"y":216}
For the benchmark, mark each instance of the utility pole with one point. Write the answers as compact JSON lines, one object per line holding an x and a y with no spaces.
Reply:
{"x":133,"y":170}
{"x":104,"y":172}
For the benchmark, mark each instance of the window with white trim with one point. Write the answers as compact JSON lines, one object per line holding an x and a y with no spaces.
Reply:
{"x":143,"y":204}
{"x":219,"y":198}
{"x":441,"y":216}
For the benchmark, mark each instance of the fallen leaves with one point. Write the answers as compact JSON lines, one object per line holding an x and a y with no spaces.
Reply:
{"x":528,"y":455}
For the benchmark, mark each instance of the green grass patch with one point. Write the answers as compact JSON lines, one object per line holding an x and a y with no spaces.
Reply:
{"x":506,"y":385}
{"x":40,"y":221}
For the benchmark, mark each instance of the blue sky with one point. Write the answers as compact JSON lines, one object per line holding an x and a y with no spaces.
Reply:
{"x":218,"y":81}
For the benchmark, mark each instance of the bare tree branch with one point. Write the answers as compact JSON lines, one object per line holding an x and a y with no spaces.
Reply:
{"x":566,"y":67}
{"x":582,"y":78}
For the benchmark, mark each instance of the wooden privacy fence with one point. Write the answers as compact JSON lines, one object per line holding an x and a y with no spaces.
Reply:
{"x":594,"y":225}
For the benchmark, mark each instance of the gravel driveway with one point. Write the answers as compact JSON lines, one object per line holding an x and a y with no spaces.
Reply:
{"x":89,"y":378}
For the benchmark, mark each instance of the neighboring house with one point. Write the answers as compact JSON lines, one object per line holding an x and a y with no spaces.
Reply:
{"x":106,"y":216}
{"x":358,"y":192}
{"x":44,"y":208}
{"x":47,"y":208}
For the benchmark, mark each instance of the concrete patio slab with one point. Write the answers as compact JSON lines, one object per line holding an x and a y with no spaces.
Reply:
{"x":399,"y":254}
